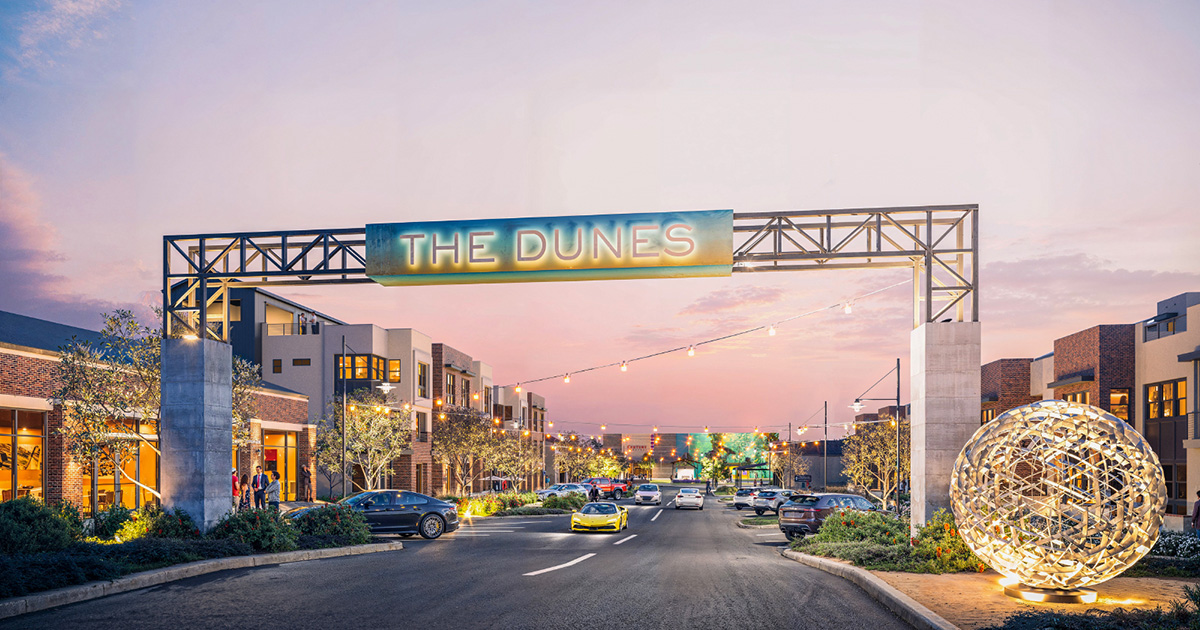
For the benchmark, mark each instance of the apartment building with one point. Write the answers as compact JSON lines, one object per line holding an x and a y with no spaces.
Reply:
{"x":1005,"y":385}
{"x":525,"y":414}
{"x":460,"y":384}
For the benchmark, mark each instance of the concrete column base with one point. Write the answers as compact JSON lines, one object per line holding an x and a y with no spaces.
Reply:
{"x":945,"y":387}
{"x":196,"y":430}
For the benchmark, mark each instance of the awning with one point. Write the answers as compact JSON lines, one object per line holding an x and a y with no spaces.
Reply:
{"x":1071,"y":380}
{"x":1190,"y":356}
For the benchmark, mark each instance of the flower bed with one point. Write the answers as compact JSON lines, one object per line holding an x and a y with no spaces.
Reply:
{"x":874,"y":540}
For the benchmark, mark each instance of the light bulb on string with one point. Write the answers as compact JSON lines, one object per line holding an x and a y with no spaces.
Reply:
{"x":518,"y":390}
{"x":771,"y":331}
{"x":691,"y":351}
{"x":849,"y":308}
{"x":567,"y":378}
{"x":624,"y":368}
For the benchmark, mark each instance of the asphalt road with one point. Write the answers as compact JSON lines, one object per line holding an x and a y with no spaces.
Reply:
{"x":682,"y":569}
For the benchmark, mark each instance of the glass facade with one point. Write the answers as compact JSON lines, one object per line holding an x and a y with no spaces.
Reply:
{"x":1165,"y":430}
{"x":22,"y":454}
{"x":279,"y":454}
{"x":111,"y":487}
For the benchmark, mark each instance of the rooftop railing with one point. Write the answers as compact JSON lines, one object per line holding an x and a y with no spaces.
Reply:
{"x":283,"y":330}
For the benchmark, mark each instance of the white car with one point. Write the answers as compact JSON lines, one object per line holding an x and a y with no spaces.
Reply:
{"x":648,"y":493}
{"x":561,"y":489}
{"x":689,"y":497}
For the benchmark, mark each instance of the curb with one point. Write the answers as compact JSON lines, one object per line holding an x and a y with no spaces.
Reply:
{"x":94,"y":590}
{"x":745,"y":526}
{"x":904,"y":606}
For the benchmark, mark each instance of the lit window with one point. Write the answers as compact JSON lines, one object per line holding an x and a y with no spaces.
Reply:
{"x":277,"y":366}
{"x":393,"y":371}
{"x":301,"y":362}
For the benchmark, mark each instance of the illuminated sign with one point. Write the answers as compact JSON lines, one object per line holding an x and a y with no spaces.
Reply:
{"x":541,"y":249}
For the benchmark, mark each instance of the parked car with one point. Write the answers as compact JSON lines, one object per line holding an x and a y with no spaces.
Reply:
{"x":743,"y":498}
{"x":609,"y":488}
{"x":600,"y":517}
{"x":400,"y":512}
{"x":770,"y":500}
{"x":559,"y":489}
{"x":805,"y":513}
{"x":689,"y":497}
{"x":648,"y":493}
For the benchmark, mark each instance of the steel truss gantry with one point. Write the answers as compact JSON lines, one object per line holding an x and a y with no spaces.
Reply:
{"x":200,"y":269}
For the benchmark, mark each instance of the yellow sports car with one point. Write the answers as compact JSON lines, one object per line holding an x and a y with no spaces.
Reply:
{"x":600,"y":517}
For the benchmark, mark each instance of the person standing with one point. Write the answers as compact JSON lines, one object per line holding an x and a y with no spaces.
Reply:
{"x":259,"y":484}
{"x":244,"y":504}
{"x":236,"y":489}
{"x":1196,"y":515}
{"x":305,"y":491}
{"x":273,"y":491}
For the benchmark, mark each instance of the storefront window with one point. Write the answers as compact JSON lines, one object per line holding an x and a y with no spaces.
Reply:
{"x":22,"y":453}
{"x":111,"y":487}
{"x":279,"y":455}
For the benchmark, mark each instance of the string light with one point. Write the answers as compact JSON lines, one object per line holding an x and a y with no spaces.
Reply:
{"x":691,"y":348}
{"x":604,"y":427}
{"x":849,"y":307}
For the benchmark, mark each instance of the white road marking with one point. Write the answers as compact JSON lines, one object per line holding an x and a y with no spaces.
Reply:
{"x":470,"y":535}
{"x":630,"y":537}
{"x":656,"y":516}
{"x":561,"y":566}
{"x":772,"y":534}
{"x":490,"y":531}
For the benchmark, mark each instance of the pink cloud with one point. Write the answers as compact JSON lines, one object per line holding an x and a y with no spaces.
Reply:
{"x":728,"y":299}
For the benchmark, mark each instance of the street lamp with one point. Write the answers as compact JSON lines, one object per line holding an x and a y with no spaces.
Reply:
{"x":858,"y":406}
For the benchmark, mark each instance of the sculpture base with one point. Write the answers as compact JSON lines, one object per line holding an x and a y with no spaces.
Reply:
{"x":1051,"y":595}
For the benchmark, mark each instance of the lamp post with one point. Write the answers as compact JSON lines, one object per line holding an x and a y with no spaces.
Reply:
{"x":858,"y":406}
{"x":345,"y":418}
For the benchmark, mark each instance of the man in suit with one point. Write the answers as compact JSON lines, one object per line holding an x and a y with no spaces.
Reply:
{"x":259,"y":483}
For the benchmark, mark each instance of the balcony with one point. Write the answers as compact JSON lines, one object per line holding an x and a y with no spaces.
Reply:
{"x":421,"y":436}
{"x":285,"y":330}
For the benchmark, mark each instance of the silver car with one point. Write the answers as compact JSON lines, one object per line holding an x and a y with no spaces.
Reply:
{"x":770,"y":500}
{"x":561,"y":489}
{"x":648,"y":493}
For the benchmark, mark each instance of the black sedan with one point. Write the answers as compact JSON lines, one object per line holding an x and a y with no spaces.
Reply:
{"x":405,"y":513}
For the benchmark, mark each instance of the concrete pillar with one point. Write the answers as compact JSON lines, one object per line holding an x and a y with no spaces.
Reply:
{"x":945,"y":388}
{"x":196,"y":432}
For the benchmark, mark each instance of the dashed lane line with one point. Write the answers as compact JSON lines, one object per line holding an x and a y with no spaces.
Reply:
{"x":630,"y":537}
{"x":656,"y":516}
{"x":561,"y":566}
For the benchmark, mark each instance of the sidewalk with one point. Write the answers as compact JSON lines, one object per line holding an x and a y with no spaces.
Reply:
{"x":976,"y":600}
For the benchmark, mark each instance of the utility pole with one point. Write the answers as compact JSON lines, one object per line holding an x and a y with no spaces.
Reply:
{"x":897,"y":437}
{"x":789,"y":432}
{"x":825,"y":452}
{"x":342,"y":373}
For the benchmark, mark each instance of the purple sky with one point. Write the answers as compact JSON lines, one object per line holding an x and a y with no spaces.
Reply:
{"x":1073,"y":125}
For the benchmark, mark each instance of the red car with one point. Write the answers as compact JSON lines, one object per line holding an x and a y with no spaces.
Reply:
{"x":609,"y":488}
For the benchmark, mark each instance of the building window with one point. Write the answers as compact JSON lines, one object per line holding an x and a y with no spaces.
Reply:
{"x":1083,"y":398}
{"x":1118,"y":403}
{"x":277,"y":366}
{"x":360,"y":367}
{"x":1166,"y":400}
{"x":393,"y":371}
{"x":301,"y":362}
{"x":987,"y":415}
{"x":466,"y":391}
{"x":22,"y":454}
{"x":279,"y":455}
{"x":111,"y":487}
{"x":451,"y":393}
{"x":422,"y":380}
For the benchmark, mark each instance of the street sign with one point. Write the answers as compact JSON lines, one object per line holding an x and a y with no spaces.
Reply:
{"x":803,"y":478}
{"x":539,"y":249}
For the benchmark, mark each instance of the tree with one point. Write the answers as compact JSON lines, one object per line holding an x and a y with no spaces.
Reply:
{"x":462,"y":438}
{"x":515,"y":457}
{"x":869,"y":456}
{"x":375,"y":434}
{"x":789,"y":461}
{"x":111,"y":396}
{"x":575,"y":456}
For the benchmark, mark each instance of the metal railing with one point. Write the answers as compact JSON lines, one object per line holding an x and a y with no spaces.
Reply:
{"x":283,"y":330}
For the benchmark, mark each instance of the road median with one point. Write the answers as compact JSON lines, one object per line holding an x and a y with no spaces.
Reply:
{"x":35,"y":602}
{"x":905,"y":607}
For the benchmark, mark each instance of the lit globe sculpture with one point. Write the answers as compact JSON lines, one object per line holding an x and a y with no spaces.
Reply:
{"x":1057,"y":496}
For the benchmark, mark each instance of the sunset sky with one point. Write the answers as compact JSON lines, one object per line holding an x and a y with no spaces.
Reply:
{"x":1073,"y":125}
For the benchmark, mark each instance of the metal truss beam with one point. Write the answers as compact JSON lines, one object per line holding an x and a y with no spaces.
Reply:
{"x":939,"y":243}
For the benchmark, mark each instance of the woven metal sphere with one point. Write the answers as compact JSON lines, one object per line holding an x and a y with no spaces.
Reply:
{"x":1058,"y":495}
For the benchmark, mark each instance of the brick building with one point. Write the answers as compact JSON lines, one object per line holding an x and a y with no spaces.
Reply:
{"x":1004,"y":386}
{"x":34,"y":460}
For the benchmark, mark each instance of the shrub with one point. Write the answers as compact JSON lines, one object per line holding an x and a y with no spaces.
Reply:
{"x":450,"y":498}
{"x":28,"y":526}
{"x":109,"y":521}
{"x":852,"y":525}
{"x":725,"y":490}
{"x":153,"y":521}
{"x":335,"y":521}
{"x":529,"y":511}
{"x":264,"y":530}
{"x":480,"y":506}
{"x":1176,"y":544}
{"x":568,"y":502}
{"x":516,"y":499}
{"x":879,"y":541}
{"x":69,"y":513}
